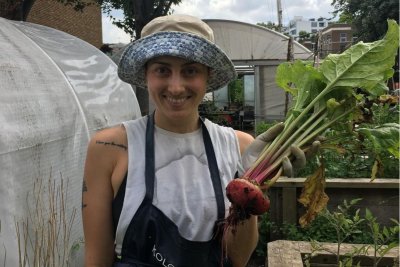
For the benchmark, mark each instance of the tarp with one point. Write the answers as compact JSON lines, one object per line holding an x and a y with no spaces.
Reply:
{"x":248,"y":42}
{"x":55,"y":92}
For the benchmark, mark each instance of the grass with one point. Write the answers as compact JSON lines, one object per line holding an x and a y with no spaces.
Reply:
{"x":43,"y":236}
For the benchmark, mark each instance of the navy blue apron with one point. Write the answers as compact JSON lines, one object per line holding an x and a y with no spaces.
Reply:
{"x":152,"y":239}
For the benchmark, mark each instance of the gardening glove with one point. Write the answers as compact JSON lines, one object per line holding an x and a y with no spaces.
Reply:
{"x":252,"y":152}
{"x":298,"y":158}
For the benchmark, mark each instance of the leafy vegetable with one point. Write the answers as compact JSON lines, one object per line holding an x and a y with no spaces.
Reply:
{"x":328,"y":98}
{"x":384,"y":137}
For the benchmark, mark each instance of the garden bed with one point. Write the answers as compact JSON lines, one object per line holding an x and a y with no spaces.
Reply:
{"x":380,"y":196}
{"x":283,"y":253}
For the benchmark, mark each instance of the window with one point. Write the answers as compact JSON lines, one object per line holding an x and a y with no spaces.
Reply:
{"x":314,"y":30}
{"x":328,"y":39}
{"x":321,"y":24}
{"x":314,"y":24}
{"x":343,"y":37}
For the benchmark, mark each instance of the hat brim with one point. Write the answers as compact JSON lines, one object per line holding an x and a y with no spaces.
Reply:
{"x":180,"y":44}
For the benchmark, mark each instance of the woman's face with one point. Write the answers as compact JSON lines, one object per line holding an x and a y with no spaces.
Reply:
{"x":177,"y":87}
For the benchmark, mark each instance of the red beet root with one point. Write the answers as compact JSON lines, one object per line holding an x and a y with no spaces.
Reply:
{"x":247,"y":197}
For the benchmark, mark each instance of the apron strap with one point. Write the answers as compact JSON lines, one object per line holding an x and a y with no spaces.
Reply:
{"x":150,"y":161}
{"x":214,"y":171}
{"x":212,"y":165}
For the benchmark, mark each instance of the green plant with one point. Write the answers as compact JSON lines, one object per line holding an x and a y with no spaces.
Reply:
{"x":236,"y":91}
{"x":264,"y":126}
{"x":319,"y":230}
{"x":384,"y":238}
{"x":265,"y":226}
{"x":360,"y":154}
{"x":343,"y":222}
{"x":347,"y":223}
{"x":325,"y":98}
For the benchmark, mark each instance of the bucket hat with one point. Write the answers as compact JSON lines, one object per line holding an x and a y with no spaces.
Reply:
{"x":182,"y":36}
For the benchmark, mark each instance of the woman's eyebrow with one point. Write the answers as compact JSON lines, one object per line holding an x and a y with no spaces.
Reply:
{"x":191,"y":63}
{"x":160,"y":62}
{"x":169,"y":64}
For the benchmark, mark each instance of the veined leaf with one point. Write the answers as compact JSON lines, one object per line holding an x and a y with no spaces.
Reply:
{"x":301,"y":80}
{"x":363,"y":65}
{"x":384,"y":137}
{"x":380,"y":89}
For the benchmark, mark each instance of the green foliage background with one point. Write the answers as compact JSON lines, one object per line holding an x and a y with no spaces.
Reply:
{"x":358,"y":159}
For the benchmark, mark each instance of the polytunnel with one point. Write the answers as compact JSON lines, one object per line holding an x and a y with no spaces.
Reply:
{"x":55,"y":92}
{"x":256,"y":52}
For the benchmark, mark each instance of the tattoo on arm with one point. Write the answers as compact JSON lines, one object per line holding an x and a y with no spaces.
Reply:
{"x":84,"y":190}
{"x":84,"y":187}
{"x":111,"y":144}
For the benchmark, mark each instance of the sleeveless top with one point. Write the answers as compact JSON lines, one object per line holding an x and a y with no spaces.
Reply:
{"x":183,"y":188}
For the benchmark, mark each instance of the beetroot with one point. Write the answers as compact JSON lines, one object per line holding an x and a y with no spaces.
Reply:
{"x":246,"y":198}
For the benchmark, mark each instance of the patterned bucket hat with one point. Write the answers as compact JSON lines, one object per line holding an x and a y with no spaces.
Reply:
{"x":181,"y":36}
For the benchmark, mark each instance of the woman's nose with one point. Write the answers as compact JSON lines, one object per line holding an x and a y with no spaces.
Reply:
{"x":176,"y":83}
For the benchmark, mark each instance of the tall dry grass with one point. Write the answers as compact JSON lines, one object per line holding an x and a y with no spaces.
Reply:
{"x":44,"y":235}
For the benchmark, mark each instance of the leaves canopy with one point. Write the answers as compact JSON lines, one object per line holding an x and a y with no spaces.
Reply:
{"x":137,"y":13}
{"x":367,"y":16}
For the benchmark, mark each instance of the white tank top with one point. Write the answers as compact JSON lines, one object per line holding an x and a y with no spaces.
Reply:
{"x":183,"y":187}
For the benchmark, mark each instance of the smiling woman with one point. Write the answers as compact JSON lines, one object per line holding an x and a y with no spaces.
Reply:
{"x":157,"y":198}
{"x":177,"y":86}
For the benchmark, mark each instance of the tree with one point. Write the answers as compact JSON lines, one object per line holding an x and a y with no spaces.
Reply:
{"x":137,"y":13}
{"x":15,"y":9}
{"x":236,"y":91}
{"x":269,"y":25}
{"x":368,"y":17}
{"x":303,"y":35}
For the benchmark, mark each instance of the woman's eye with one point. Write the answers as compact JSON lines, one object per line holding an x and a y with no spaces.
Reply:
{"x":190,"y":71}
{"x":162,"y":70}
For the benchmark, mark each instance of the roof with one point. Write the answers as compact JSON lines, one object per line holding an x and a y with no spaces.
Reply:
{"x":248,"y":42}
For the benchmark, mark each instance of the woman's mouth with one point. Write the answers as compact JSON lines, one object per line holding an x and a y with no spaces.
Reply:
{"x":176,"y":100}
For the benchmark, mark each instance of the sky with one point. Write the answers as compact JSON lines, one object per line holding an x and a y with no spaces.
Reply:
{"x":250,"y":11}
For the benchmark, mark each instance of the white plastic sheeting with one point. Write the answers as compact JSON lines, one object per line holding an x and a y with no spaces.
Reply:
{"x":246,"y":42}
{"x":55,"y":92}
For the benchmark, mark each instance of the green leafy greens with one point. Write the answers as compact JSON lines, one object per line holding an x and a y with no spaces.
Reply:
{"x":330,"y":97}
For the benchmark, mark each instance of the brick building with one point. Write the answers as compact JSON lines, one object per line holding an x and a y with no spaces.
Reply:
{"x":85,"y":25}
{"x":335,"y":38}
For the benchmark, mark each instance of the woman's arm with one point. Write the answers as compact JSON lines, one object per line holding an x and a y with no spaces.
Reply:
{"x":105,"y":157}
{"x":241,"y":244}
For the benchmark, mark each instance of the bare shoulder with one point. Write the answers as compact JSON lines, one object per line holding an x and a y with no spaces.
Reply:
{"x":114,"y":137}
{"x":107,"y":157}
{"x":107,"y":147}
{"x":245,"y":140}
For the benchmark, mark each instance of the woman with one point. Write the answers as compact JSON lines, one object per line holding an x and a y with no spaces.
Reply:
{"x":154,"y":188}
